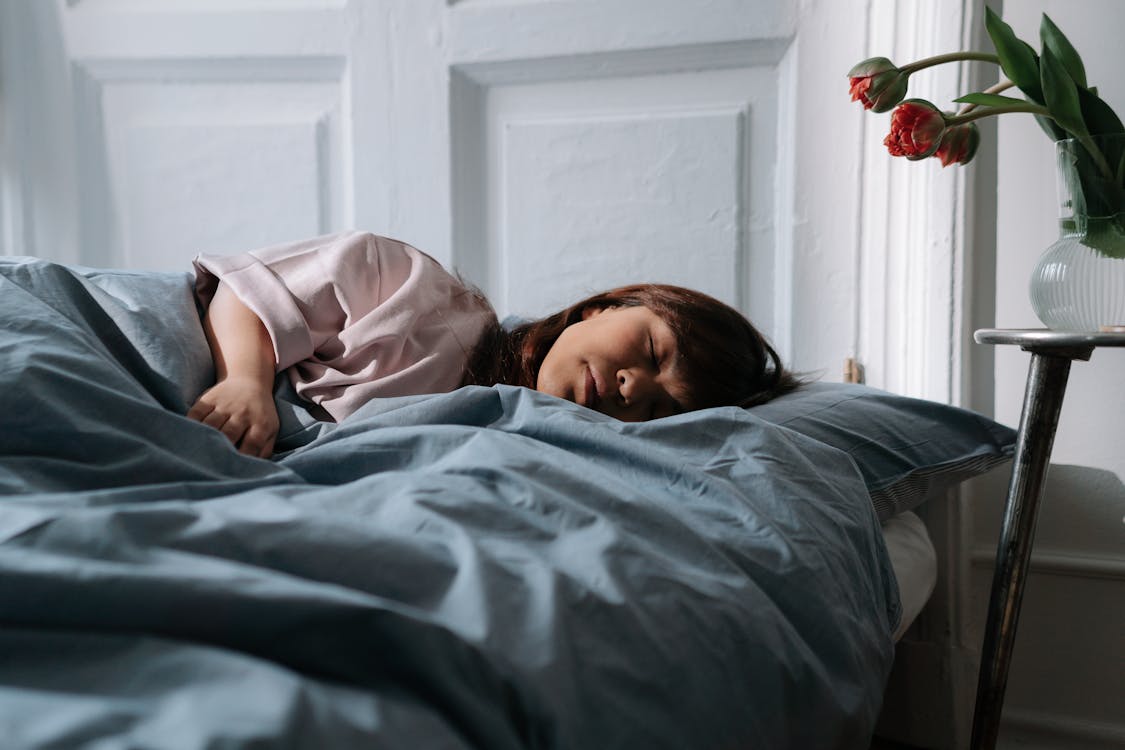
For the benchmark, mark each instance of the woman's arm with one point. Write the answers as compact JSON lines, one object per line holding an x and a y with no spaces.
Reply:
{"x":240,"y":404}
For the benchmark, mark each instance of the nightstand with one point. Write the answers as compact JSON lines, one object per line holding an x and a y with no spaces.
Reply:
{"x":1051,"y":355}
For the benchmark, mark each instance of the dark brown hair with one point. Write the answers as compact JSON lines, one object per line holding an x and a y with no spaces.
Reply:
{"x":725,"y":360}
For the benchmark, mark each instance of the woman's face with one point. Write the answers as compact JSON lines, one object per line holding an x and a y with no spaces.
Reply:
{"x":621,"y":361}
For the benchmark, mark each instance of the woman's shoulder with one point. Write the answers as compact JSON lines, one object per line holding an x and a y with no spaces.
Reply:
{"x":358,"y":244}
{"x":350,"y":244}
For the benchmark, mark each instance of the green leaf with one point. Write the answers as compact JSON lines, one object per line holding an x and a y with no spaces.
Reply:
{"x":1099,"y":116}
{"x":1061,"y":95}
{"x":989,"y":100}
{"x":1062,"y":49}
{"x":1017,"y":58}
{"x":1036,"y":89}
{"x":1051,"y":128}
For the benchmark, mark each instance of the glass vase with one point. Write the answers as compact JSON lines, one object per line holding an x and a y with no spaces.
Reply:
{"x":1079,"y":282}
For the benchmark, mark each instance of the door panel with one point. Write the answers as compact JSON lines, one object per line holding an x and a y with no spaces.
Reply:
{"x":594,"y":183}
{"x":205,"y":157}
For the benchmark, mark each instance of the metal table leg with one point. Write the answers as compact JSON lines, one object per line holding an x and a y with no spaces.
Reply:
{"x":1046,"y":385}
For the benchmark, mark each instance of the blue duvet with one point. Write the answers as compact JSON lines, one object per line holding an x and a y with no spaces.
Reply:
{"x":491,"y":568}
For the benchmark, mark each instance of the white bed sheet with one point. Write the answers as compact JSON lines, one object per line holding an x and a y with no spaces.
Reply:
{"x":915,"y":564}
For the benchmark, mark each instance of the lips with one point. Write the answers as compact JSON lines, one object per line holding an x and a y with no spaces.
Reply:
{"x":590,"y":394}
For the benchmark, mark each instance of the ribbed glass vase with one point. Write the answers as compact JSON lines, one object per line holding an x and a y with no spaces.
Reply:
{"x":1079,"y":282}
{"x":1076,"y":288}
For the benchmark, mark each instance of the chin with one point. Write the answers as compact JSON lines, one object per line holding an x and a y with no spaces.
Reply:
{"x":546,"y":382}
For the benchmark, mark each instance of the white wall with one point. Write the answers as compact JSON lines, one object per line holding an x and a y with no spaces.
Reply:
{"x":1067,"y":681}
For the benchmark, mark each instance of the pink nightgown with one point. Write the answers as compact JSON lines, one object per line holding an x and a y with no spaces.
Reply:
{"x":354,"y":316}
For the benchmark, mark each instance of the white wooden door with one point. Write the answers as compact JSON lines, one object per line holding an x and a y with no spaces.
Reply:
{"x":546,"y":148}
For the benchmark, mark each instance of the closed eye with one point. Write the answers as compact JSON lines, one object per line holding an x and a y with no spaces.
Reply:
{"x":652,"y":353}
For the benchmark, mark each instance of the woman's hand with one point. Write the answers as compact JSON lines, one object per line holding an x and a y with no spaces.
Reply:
{"x":242,"y":410}
{"x":240,"y":404}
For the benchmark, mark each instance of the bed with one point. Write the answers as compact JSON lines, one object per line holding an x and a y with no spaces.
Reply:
{"x":488,"y":568}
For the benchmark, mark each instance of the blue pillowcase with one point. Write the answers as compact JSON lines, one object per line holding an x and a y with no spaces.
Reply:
{"x":909,"y":450}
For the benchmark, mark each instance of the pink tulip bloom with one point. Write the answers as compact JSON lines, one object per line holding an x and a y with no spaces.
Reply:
{"x":916,"y":129}
{"x":877,"y":84}
{"x":958,"y":144}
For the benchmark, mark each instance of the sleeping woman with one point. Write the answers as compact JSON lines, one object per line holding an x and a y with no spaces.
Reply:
{"x":355,"y":316}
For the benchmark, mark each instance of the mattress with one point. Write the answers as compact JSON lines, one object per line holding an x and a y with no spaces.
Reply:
{"x":915,"y":564}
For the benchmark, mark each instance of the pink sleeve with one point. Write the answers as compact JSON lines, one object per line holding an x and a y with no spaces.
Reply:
{"x":355,"y":316}
{"x":307,"y":292}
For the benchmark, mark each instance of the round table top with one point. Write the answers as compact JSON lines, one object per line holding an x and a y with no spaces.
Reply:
{"x":1042,"y":337}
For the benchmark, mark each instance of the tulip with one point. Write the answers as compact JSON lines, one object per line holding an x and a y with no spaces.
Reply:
{"x":877,"y":84}
{"x":916,"y":129}
{"x":958,"y":144}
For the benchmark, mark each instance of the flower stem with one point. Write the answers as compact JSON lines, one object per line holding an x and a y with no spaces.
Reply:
{"x":949,"y":57}
{"x":996,"y":88}
{"x":961,"y":119}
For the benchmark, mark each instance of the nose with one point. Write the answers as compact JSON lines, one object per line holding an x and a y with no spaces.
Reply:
{"x":635,"y":390}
